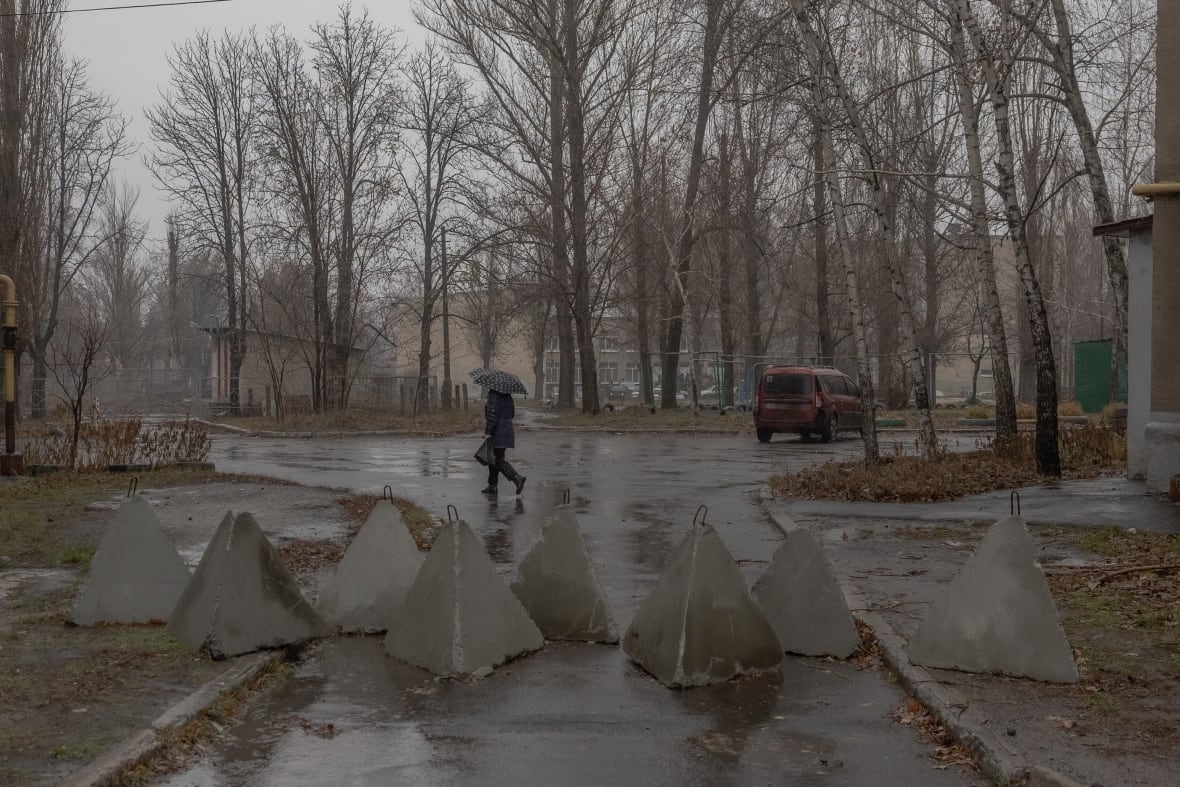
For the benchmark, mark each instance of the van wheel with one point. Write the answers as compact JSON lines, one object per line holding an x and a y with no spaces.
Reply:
{"x":763,"y":435}
{"x":832,"y":430}
{"x":805,"y":437}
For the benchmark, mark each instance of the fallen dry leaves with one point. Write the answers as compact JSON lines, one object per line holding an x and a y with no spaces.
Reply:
{"x":868,"y":655}
{"x":1085,"y":453}
{"x":303,"y":556}
{"x":948,"y":752}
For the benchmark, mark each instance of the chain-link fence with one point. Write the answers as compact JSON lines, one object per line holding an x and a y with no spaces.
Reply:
{"x":716,"y":379}
{"x":189,"y":392}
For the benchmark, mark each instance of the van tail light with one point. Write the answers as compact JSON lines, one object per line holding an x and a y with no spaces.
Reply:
{"x":819,"y":400}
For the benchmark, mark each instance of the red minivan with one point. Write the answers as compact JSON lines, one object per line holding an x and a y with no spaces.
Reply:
{"x":806,"y":400}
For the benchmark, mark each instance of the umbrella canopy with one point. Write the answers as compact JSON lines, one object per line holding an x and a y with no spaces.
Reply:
{"x":504,"y":382}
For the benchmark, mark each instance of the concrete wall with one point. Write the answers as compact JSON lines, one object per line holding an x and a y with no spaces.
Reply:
{"x":1139,"y":350}
{"x":1163,"y":428}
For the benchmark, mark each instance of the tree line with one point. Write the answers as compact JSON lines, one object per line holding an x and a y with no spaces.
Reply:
{"x":860,"y":179}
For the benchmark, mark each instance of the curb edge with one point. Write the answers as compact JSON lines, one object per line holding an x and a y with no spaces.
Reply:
{"x":996,"y":761}
{"x":146,"y":742}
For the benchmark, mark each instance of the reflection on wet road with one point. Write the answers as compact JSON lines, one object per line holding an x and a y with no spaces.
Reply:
{"x":572,"y":713}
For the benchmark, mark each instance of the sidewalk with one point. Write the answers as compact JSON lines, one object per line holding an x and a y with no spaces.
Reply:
{"x":1119,"y":725}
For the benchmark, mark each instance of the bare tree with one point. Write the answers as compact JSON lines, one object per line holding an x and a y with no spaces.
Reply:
{"x":86,"y":135}
{"x":203,"y":128}
{"x":829,"y":69}
{"x":73,"y":359}
{"x":436,"y":176}
{"x":117,"y":277}
{"x":298,"y":182}
{"x":981,"y":234}
{"x":356,"y":61}
{"x":996,"y":71}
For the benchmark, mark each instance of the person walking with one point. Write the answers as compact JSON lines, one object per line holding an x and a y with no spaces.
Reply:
{"x":498,"y":411}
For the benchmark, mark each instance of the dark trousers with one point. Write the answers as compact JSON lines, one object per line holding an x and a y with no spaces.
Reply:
{"x":501,"y":466}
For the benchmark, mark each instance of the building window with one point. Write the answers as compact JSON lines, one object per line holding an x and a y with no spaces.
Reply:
{"x":608,"y":372}
{"x":632,"y":372}
{"x":608,"y":344}
{"x":552,"y":371}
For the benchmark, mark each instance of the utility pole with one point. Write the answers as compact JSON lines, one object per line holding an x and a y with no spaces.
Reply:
{"x":446,"y":276}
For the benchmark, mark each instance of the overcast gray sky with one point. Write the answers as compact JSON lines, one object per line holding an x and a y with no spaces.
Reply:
{"x":127,"y":53}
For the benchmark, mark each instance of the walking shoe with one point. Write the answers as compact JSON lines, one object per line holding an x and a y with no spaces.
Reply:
{"x":490,"y":490}
{"x":520,"y":483}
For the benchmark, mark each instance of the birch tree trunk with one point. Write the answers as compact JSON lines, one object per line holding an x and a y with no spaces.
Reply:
{"x":1047,"y":451}
{"x":827,"y":67}
{"x":827,"y":347}
{"x":984,"y":258}
{"x":864,"y":370}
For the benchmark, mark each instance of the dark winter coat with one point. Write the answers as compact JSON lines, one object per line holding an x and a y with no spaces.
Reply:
{"x":498,"y":412}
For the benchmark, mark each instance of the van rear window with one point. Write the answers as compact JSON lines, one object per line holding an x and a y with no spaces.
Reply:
{"x":787,"y":384}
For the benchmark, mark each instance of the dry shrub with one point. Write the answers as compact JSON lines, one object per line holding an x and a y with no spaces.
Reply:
{"x":107,"y":443}
{"x":1071,"y":408}
{"x":1025,"y":411}
{"x":1085,"y":452}
{"x":979,"y":411}
{"x":124,"y":442}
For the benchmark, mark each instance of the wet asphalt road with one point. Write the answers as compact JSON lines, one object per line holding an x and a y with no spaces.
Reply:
{"x":571,"y":714}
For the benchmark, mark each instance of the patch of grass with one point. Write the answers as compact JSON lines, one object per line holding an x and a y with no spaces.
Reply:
{"x":418,"y":520}
{"x":35,"y":510}
{"x":80,"y":751}
{"x":943,"y":417}
{"x":1125,"y":626}
{"x":1116,"y":542}
{"x":1103,"y":703}
{"x":1085,"y":453}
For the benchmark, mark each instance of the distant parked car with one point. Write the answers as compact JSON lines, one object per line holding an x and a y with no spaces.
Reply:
{"x":614,"y":392}
{"x":807,"y":401}
{"x":680,"y":397}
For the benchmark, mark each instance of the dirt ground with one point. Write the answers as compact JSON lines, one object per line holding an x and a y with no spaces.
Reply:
{"x":1121,"y":723}
{"x":68,"y":693}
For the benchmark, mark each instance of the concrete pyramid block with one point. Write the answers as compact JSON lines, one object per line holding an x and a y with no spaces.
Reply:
{"x":559,"y":588}
{"x":699,"y":625}
{"x":997,"y":615}
{"x":374,"y":575}
{"x":802,"y":598}
{"x":242,"y":597}
{"x":136,"y":575}
{"x":459,"y":616}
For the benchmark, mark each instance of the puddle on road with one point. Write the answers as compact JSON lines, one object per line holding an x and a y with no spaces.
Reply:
{"x":352,"y":715}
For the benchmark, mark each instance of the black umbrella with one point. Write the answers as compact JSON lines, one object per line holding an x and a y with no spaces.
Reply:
{"x":504,"y":382}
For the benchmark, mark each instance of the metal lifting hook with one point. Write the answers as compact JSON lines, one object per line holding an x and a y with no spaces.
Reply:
{"x":133,"y":487}
{"x":452,"y":514}
{"x":1014,"y":503}
{"x":699,"y":519}
{"x":387,"y":493}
